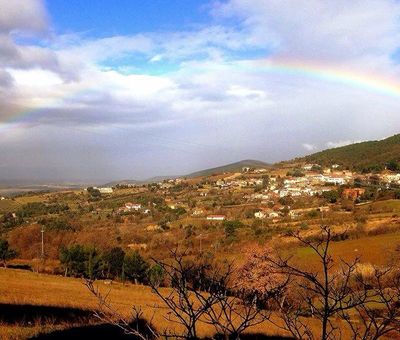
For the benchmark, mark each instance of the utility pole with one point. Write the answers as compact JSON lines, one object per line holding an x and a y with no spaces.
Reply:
{"x":42,"y":255}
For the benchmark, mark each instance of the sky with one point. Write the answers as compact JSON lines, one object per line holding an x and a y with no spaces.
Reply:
{"x":120,"y":89}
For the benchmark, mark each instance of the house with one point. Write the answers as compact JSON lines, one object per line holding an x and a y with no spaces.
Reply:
{"x":260,"y":214}
{"x":216,"y":217}
{"x":309,"y":167}
{"x":273,"y":214}
{"x":105,"y":190}
{"x":335,"y":180}
{"x":198,"y":212}
{"x":220,"y":183}
{"x":133,"y":206}
{"x":353,"y":194}
{"x":2,"y":198}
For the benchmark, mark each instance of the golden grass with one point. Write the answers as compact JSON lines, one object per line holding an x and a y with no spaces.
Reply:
{"x":23,"y":287}
{"x":376,"y":250}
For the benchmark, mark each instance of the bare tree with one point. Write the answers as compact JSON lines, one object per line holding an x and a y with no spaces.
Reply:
{"x":381,"y":315}
{"x":135,"y":326}
{"x":237,"y":310}
{"x":195,"y":288}
{"x":322,"y":294}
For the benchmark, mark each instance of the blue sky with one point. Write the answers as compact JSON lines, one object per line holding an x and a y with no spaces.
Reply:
{"x":101,"y":90}
{"x":100,"y":18}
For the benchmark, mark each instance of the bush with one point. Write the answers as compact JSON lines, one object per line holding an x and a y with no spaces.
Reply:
{"x":135,"y":267}
{"x":114,"y":261}
{"x":80,"y":261}
{"x":6,"y":253}
{"x":230,"y":227}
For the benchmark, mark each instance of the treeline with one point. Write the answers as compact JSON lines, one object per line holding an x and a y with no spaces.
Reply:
{"x":91,"y":263}
{"x":40,"y":208}
{"x":366,"y":157}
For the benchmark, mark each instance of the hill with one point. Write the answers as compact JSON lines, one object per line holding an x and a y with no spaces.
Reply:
{"x":365,"y":156}
{"x":232,"y":167}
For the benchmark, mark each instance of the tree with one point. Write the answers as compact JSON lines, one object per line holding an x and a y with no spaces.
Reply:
{"x":195,"y":287}
{"x":380,"y":316}
{"x":230,"y":227}
{"x":135,"y":267}
{"x":393,"y":166}
{"x":331,"y":196}
{"x":156,"y":275}
{"x":73,"y":260}
{"x":6,"y":253}
{"x":114,"y":261}
{"x":324,"y":294}
{"x":81,"y":261}
{"x":94,"y":264}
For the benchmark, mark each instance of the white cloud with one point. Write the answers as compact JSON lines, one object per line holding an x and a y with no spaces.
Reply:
{"x":341,"y":143}
{"x":309,"y":147}
{"x":91,"y":88}
{"x":156,"y":58}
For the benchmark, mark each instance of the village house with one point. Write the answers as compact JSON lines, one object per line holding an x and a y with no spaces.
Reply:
{"x":335,"y":180}
{"x":309,"y":167}
{"x":391,"y":178}
{"x":260,"y":214}
{"x":133,"y":206}
{"x":353,"y":194}
{"x":198,"y":212}
{"x":105,"y":190}
{"x":216,"y":217}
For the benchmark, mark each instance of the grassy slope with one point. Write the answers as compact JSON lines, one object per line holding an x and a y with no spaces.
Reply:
{"x":360,"y":155}
{"x":230,"y":168}
{"x":19,"y":287}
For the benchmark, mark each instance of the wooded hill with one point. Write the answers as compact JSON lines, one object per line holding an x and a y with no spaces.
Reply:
{"x":364,"y":157}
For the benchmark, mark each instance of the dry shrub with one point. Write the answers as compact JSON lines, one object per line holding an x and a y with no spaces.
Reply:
{"x":365,"y":271}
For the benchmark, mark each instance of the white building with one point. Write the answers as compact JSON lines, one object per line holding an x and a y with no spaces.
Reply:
{"x":260,"y":214}
{"x":106,"y":190}
{"x":133,"y":206}
{"x":216,"y":217}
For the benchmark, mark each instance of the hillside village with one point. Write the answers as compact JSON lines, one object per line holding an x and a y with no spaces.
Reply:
{"x":119,"y":233}
{"x":266,"y":189}
{"x":219,"y":210}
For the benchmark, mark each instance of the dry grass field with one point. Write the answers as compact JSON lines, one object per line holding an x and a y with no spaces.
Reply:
{"x":24,"y":287}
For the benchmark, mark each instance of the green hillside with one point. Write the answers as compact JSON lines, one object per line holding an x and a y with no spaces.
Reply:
{"x":233,"y":167}
{"x":365,"y":156}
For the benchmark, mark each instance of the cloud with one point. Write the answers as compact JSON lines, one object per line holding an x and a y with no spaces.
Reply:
{"x":309,"y":147}
{"x":342,"y":143}
{"x":20,"y":16}
{"x":183,"y":99}
{"x":319,"y":29}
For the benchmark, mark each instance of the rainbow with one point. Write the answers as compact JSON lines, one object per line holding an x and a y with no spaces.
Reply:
{"x":19,"y":118}
{"x":292,"y":68}
{"x":327,"y":73}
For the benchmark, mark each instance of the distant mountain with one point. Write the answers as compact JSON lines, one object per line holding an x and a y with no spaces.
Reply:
{"x":138,"y":182}
{"x":233,"y":167}
{"x":365,"y":156}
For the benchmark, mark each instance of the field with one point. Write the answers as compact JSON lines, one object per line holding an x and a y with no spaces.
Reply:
{"x":27,"y":288}
{"x":19,"y":287}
